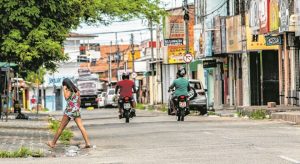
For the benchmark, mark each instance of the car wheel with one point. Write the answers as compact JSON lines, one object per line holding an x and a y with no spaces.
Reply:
{"x":203,"y":110}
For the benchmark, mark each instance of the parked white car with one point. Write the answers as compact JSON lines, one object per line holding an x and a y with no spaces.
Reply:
{"x":109,"y":98}
{"x":100,"y":99}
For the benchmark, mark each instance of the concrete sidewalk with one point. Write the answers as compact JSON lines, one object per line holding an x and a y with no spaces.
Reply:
{"x":32,"y":134}
{"x":285,"y":113}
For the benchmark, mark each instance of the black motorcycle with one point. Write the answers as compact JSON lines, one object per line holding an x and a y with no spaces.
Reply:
{"x":181,"y":106}
{"x":128,"y":112}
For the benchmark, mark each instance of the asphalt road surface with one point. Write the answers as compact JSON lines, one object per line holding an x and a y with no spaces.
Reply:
{"x":155,"y":137}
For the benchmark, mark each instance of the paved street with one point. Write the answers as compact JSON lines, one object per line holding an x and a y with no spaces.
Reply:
{"x":154,"y":137}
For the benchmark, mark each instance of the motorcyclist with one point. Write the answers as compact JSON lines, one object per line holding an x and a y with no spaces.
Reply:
{"x":126,"y":87}
{"x":181,"y":86}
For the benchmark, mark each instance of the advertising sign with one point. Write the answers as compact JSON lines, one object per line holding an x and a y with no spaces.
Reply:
{"x":256,"y":44}
{"x":254,"y":17}
{"x":297,"y":15}
{"x":177,"y":53}
{"x":217,"y":46}
{"x":284,"y":15}
{"x":173,"y":41}
{"x":233,"y":34}
{"x":274,"y":15}
{"x":209,"y":63}
{"x":223,"y":34}
{"x":273,"y":40}
{"x":264,"y":16}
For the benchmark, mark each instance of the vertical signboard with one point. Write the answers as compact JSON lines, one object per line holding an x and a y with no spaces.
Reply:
{"x":297,"y":15}
{"x":217,"y":36}
{"x":274,"y":15}
{"x":284,"y":15}
{"x":264,"y":16}
{"x":223,"y":34}
{"x":254,"y":16}
{"x":233,"y":34}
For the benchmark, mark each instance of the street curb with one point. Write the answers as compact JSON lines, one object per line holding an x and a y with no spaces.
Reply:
{"x":293,"y":117}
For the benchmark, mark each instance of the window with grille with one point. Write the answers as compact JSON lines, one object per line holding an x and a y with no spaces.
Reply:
{"x":177,"y":28}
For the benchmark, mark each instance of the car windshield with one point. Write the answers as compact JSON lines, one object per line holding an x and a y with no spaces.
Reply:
{"x":195,"y":85}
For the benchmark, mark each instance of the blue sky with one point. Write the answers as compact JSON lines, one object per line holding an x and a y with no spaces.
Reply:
{"x":123,"y":38}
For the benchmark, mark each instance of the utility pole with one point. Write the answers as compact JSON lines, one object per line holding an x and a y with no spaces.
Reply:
{"x":109,"y":65}
{"x":132,"y":52}
{"x":152,"y":60}
{"x":118,"y":56}
{"x":186,"y":21}
{"x":158,"y":64}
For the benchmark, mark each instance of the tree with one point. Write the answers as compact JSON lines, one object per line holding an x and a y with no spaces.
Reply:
{"x":32,"y":31}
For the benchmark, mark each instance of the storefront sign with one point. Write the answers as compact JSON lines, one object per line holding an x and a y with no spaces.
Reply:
{"x":174,"y":41}
{"x":223,"y":34}
{"x":284,"y":15}
{"x":233,"y":34}
{"x":264,"y":16}
{"x":274,"y":15}
{"x":176,"y":54}
{"x":259,"y":44}
{"x":57,"y":81}
{"x":273,"y":40}
{"x":217,"y":46}
{"x":209,"y":63}
{"x":297,"y":15}
{"x":254,"y":17}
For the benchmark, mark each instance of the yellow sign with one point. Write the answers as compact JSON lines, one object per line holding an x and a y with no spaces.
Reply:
{"x":234,"y":34}
{"x":137,"y":55}
{"x":274,"y":15}
{"x":260,"y":44}
{"x":176,"y":54}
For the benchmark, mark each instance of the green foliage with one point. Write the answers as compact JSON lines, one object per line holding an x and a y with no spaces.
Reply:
{"x":210,"y":113}
{"x":150,"y":107}
{"x":33,"y":31}
{"x":140,"y":106}
{"x":36,"y":77}
{"x":258,"y":114}
{"x":66,"y":135}
{"x":21,"y":153}
{"x":164,"y":108}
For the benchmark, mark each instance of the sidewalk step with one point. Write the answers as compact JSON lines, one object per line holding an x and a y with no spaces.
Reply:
{"x":287,"y":116}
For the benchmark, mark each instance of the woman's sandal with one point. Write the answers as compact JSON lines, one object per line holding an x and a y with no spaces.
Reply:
{"x":88,"y":146}
{"x":50,"y":144}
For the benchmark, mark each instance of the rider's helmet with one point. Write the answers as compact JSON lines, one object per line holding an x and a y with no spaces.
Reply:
{"x":181,"y":71}
{"x":125,"y":75}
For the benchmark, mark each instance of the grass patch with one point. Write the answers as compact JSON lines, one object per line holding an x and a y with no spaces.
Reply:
{"x":140,"y":106}
{"x":66,"y":135}
{"x":211,"y":113}
{"x":150,"y":107}
{"x":23,"y":152}
{"x":258,"y":114}
{"x":164,"y":108}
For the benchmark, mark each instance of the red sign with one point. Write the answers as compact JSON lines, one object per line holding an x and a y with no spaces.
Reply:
{"x":264,"y":7}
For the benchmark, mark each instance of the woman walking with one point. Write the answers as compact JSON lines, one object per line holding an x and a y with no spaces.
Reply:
{"x":72,"y":111}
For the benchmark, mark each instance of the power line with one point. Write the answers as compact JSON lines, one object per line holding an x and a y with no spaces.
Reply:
{"x":125,"y":31}
{"x":215,"y":10}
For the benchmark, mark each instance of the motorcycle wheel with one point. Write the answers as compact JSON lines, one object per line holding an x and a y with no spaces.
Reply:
{"x":182,"y":113}
{"x":126,"y":117}
{"x":178,"y":114}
